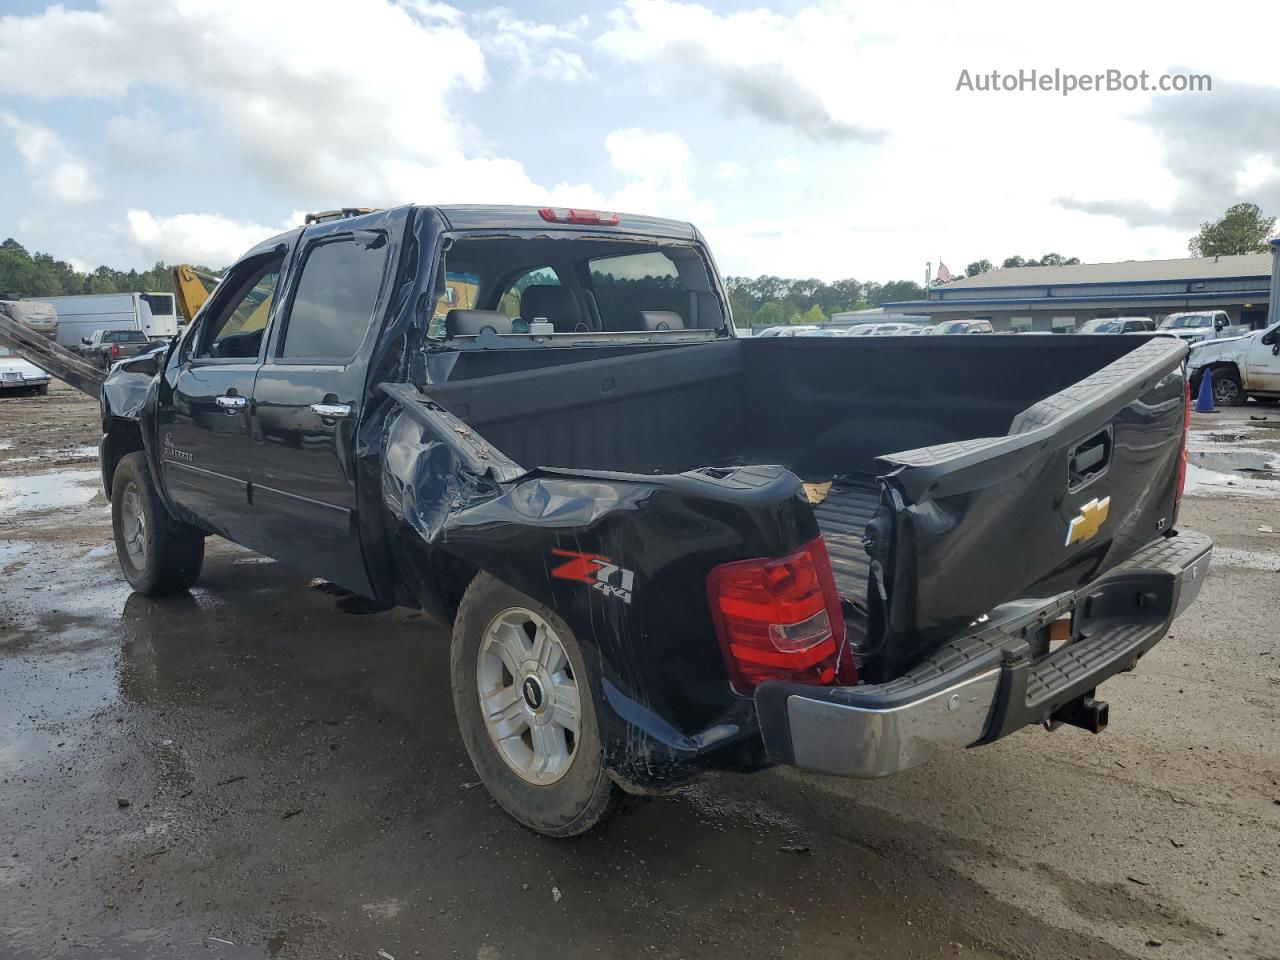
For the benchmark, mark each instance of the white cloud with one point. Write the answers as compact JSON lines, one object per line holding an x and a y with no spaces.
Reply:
{"x":321,"y":127}
{"x":539,"y":50}
{"x":766,"y":65}
{"x":729,"y":169}
{"x":55,"y":171}
{"x":204,"y":238}
{"x":656,"y":165}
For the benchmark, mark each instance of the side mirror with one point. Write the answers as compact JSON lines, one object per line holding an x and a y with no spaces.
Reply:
{"x":85,"y":341}
{"x":1219,"y":324}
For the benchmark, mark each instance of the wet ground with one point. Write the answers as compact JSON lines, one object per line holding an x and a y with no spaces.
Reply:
{"x":264,"y":769}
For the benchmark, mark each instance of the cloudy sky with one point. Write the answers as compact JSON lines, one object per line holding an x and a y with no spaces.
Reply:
{"x":807,"y":139}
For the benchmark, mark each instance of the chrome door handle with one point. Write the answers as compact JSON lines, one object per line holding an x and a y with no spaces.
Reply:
{"x":332,"y":409}
{"x":232,"y":404}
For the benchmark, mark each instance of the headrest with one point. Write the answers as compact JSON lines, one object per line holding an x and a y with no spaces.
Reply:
{"x":470,"y":323}
{"x":556,"y":304}
{"x":659,"y":320}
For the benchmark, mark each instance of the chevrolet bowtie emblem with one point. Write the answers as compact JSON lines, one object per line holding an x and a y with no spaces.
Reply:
{"x":1086,"y":526}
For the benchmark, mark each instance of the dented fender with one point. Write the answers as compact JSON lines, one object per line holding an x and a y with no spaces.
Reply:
{"x":622,"y":558}
{"x":1227,"y":350}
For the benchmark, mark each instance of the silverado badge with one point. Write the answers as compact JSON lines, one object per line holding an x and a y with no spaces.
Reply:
{"x":1086,"y":526}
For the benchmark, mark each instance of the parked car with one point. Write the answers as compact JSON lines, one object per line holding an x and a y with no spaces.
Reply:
{"x":613,"y":512}
{"x":1118,"y":325}
{"x":923,"y":331}
{"x":80,"y":315}
{"x":1203,"y":325}
{"x":105,"y":347}
{"x":18,"y":374}
{"x":797,"y":330}
{"x":36,"y":315}
{"x":949,"y":327}
{"x":1242,"y":367}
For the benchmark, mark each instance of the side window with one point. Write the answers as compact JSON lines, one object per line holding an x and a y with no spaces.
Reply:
{"x":236,"y":330}
{"x":455,"y":290}
{"x":541,"y":276}
{"x":626,"y":285}
{"x":333,"y":306}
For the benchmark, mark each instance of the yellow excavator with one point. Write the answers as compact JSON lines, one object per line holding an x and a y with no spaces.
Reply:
{"x":191,"y":289}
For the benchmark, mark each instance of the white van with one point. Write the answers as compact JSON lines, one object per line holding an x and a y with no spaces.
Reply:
{"x":80,"y":316}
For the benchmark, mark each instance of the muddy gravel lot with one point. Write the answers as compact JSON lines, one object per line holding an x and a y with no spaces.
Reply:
{"x":262,"y":768}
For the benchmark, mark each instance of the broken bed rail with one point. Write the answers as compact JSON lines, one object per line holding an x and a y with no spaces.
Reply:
{"x":50,"y":357}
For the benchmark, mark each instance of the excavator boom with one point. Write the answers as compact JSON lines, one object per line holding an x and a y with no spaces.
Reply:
{"x":191,"y":289}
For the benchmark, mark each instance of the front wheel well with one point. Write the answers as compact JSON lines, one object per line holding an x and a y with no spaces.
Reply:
{"x":1217,"y":366}
{"x":119,"y":439}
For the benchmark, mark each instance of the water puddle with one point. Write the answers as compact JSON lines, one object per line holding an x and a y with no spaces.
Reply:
{"x":44,"y":491}
{"x":1253,"y":464}
{"x":11,"y":550}
{"x":1243,"y":471}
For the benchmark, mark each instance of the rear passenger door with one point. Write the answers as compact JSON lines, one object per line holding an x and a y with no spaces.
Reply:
{"x":307,"y":402}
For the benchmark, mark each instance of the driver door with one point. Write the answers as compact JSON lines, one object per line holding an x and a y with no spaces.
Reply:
{"x":204,"y":440}
{"x":1264,"y":362}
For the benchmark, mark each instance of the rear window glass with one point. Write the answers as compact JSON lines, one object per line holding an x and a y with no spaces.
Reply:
{"x":125,"y":336}
{"x":334,"y":304}
{"x":624,"y":286}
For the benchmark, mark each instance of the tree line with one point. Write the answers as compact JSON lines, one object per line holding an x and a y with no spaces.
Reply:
{"x":770,"y":300}
{"x":756,"y":301}
{"x":25,"y":274}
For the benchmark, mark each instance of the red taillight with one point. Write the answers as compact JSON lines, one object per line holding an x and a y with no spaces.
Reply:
{"x":115,"y":350}
{"x":780,"y":619}
{"x":1186,"y":439}
{"x":588,"y":217}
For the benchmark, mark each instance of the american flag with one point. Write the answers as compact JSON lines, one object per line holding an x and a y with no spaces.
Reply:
{"x":944,"y":275}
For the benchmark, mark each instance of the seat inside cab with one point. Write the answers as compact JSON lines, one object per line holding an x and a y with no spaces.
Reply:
{"x":577,"y":285}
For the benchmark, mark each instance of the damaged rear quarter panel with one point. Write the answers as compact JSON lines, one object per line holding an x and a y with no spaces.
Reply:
{"x":621,"y":558}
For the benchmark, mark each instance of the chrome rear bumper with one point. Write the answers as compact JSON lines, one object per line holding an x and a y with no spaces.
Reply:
{"x":983,"y":686}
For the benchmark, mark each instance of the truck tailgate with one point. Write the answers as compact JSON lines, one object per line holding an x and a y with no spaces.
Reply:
{"x":1082,"y":480}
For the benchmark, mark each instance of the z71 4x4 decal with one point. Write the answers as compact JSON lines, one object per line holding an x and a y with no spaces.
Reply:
{"x":597,"y":571}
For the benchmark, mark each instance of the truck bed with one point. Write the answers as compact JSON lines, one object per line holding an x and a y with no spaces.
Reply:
{"x":842,"y":517}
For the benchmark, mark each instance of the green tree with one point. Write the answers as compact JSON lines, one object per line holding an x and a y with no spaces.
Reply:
{"x":896,"y":290}
{"x":1053,"y":260}
{"x":813,"y":316}
{"x":770,"y":314}
{"x":978,"y":267}
{"x":1014,"y":261}
{"x":1242,"y":229}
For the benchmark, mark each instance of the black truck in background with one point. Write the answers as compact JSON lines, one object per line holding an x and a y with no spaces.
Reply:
{"x":663,"y":549}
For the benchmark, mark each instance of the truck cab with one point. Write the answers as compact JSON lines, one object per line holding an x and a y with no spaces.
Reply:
{"x":1198,"y":326}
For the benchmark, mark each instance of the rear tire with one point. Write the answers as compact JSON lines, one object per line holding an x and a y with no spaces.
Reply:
{"x":158,"y":554}
{"x":512,"y":651}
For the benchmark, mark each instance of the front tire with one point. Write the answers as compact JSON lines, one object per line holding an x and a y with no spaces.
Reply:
{"x":522,"y":692}
{"x":157,"y":554}
{"x":1227,"y":389}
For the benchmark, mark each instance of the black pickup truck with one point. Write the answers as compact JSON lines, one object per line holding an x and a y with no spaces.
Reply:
{"x":663,"y":549}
